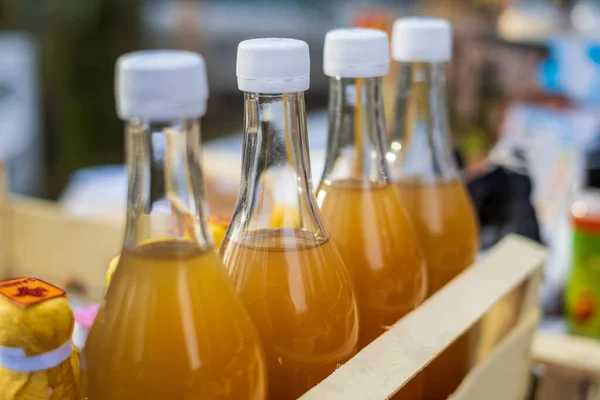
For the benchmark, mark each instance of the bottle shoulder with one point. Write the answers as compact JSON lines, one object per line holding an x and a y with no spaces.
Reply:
{"x":586,"y":203}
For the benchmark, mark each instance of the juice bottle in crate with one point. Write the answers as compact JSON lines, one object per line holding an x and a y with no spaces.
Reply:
{"x":171,"y":325}
{"x":286,"y":270}
{"x":427,"y":178}
{"x":361,"y":207}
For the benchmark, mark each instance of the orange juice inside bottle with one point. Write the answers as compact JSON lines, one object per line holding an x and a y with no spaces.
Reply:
{"x":303,"y":307}
{"x":374,"y":237}
{"x":171,"y":327}
{"x":444,"y":219}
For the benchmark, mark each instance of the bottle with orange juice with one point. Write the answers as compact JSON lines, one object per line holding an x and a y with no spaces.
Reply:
{"x":290,"y":277}
{"x":171,"y":325}
{"x":361,"y":207}
{"x":427,"y":178}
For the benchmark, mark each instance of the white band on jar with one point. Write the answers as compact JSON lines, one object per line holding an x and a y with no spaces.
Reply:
{"x":15,"y":359}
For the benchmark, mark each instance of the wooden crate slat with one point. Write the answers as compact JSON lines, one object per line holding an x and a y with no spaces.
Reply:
{"x":380,"y":369}
{"x":578,"y":357}
{"x":5,"y":225}
{"x":571,"y":366}
{"x":50,"y":244}
{"x":504,"y":374}
{"x":503,"y":316}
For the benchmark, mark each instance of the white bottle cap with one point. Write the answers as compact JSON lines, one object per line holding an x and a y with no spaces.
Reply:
{"x":422,"y":39}
{"x":161,"y":85}
{"x":273,"y":66}
{"x":356,"y":53}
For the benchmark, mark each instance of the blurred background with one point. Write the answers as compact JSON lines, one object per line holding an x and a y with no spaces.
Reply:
{"x":524,"y":97}
{"x":58,"y":56}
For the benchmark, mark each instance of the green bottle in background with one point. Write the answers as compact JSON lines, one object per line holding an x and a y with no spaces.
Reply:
{"x":582,"y":289}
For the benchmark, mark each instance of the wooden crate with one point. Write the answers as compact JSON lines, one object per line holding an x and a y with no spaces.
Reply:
{"x":496,"y":298}
{"x":38,"y":238}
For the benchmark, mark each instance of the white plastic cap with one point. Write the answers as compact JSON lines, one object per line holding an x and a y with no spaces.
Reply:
{"x":356,"y":53}
{"x":422,"y":39}
{"x":273,"y":66}
{"x":161,"y":85}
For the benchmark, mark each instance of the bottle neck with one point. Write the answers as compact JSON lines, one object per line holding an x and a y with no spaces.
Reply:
{"x":276,"y":188}
{"x":420,"y":145}
{"x":166,"y":186}
{"x":356,"y":141}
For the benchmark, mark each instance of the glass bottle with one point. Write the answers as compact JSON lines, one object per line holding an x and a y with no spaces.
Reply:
{"x":361,"y":208}
{"x":171,"y":325}
{"x":582,"y":289}
{"x":425,"y":174}
{"x":288,"y":274}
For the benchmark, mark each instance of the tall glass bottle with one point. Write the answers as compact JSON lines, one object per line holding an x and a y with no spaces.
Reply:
{"x":426,"y":176}
{"x":288,"y":274}
{"x":171,"y":325}
{"x":361,"y":208}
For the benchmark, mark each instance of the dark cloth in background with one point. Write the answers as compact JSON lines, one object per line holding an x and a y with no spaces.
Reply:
{"x":503,"y":206}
